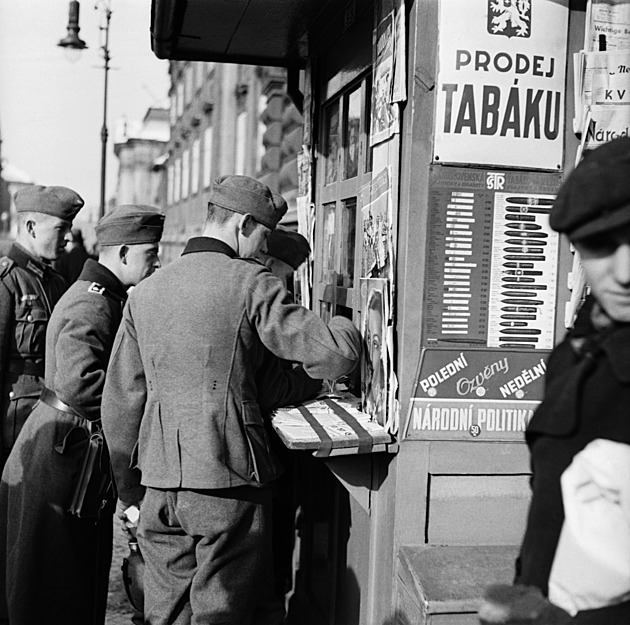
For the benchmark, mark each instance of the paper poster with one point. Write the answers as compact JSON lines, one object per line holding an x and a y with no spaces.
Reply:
{"x":475,"y":395}
{"x":500,"y":89}
{"x":375,"y":357}
{"x":605,"y":123}
{"x":384,"y":121}
{"x":601,"y":78}
{"x":377,"y":245}
{"x":492,"y":258}
{"x":399,"y":91}
{"x":607,"y":25}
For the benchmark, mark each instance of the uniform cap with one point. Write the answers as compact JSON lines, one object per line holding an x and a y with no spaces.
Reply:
{"x":243,"y":194}
{"x":288,"y":246}
{"x":59,"y":202}
{"x":595,"y":198}
{"x":130,"y":224}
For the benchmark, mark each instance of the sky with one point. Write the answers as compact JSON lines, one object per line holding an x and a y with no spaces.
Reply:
{"x":51,"y":109}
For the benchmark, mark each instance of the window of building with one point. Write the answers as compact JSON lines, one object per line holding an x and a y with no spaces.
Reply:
{"x":169,"y":184}
{"x":207,"y":157}
{"x":180,"y":98}
{"x":173,"y":111}
{"x":177,"y":184}
{"x":241,"y":143}
{"x":262,"y":128}
{"x":185,"y":173}
{"x":189,"y":83}
{"x":194,"y":172}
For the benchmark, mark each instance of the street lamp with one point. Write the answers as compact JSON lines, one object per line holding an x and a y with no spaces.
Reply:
{"x":72,"y":42}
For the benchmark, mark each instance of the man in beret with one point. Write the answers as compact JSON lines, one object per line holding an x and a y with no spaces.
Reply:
{"x":576,"y":549}
{"x":183,"y":406}
{"x":29,"y":290}
{"x":56,"y":547}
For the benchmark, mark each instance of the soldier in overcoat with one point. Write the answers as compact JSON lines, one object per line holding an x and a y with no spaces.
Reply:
{"x":183,"y":408}
{"x":55,"y":564}
{"x":29,"y":290}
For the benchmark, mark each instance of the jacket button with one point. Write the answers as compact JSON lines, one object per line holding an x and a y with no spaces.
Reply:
{"x":11,"y":394}
{"x":29,"y":317}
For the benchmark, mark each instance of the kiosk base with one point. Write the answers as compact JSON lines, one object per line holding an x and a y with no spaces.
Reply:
{"x":437,"y":585}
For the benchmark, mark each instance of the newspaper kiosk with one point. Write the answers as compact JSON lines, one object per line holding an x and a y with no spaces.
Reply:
{"x":436,"y":134}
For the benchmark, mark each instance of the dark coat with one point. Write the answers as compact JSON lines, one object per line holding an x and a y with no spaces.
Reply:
{"x":587,"y":396}
{"x":187,"y":385}
{"x":29,"y":290}
{"x":56,"y":567}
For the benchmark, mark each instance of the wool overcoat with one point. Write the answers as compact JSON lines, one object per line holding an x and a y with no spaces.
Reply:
{"x":188,"y":381}
{"x":587,"y":397}
{"x":56,"y":567}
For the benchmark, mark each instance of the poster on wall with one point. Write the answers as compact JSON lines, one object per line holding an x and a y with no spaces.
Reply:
{"x":375,"y":357}
{"x":475,"y":395}
{"x":500,"y":88}
{"x":607,"y":25}
{"x":384,"y":118}
{"x":601,"y":79}
{"x":492,"y":258}
{"x":375,"y":205}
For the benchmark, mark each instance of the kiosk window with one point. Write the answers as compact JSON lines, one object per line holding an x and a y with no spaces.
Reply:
{"x":331,"y":143}
{"x":351,"y":129}
{"x":344,"y":171}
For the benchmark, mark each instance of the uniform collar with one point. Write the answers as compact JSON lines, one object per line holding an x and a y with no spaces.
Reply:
{"x":26,"y":260}
{"x":93,"y":271}
{"x":208,"y":244}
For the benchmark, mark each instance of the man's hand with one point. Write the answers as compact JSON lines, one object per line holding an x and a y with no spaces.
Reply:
{"x":129,"y":514}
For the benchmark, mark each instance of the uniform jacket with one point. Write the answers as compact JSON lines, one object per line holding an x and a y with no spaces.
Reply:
{"x":587,"y":397}
{"x":186,"y":388}
{"x":80,"y":336}
{"x":29,"y":290}
{"x":42,"y":470}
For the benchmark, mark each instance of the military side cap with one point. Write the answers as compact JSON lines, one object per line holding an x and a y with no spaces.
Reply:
{"x":59,"y":202}
{"x":288,"y":246}
{"x":130,"y":224}
{"x":243,"y":194}
{"x":595,"y":198}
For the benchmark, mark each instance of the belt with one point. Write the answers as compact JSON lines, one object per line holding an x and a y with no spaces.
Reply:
{"x":49,"y":398}
{"x":26,"y":367}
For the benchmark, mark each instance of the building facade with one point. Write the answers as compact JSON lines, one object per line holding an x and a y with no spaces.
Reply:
{"x":225,"y":119}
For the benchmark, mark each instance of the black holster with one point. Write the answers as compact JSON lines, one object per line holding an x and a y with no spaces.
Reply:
{"x":94,"y":487}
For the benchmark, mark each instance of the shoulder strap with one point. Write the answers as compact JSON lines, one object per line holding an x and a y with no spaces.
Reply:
{"x":6,"y":264}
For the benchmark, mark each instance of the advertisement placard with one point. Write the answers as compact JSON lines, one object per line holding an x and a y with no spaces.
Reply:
{"x":500,"y":92}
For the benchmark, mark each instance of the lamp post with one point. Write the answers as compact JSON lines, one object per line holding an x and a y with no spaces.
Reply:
{"x":73,"y":42}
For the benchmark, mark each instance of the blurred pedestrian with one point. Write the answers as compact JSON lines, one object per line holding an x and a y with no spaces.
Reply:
{"x":56,"y":537}
{"x":70,"y":264}
{"x":576,"y":549}
{"x":184,"y":402}
{"x":29,"y":290}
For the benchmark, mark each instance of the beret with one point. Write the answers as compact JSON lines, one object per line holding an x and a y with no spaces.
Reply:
{"x":288,"y":246}
{"x":130,"y":224}
{"x":595,"y":198}
{"x":59,"y":202}
{"x":243,"y":194}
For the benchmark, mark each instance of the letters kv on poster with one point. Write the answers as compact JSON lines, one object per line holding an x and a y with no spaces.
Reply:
{"x":501,"y":83}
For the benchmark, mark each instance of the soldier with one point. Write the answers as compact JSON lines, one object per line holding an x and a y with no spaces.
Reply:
{"x":183,"y":402}
{"x":29,"y":290}
{"x":58,"y":547}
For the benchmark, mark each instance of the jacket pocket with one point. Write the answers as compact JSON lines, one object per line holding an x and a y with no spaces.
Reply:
{"x":264,"y":466}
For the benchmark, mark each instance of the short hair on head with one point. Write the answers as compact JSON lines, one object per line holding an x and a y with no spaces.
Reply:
{"x":218,"y":215}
